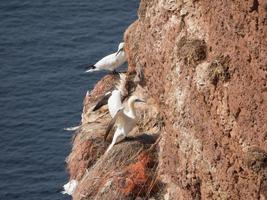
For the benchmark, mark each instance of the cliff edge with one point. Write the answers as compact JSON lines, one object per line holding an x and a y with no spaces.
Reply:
{"x":202,"y":134}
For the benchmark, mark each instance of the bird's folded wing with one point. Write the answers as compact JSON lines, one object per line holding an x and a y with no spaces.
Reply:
{"x":117,"y":119}
{"x":103,"y":101}
{"x":114,"y":103}
{"x":107,"y":61}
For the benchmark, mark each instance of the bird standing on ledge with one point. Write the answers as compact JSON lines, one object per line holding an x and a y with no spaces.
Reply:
{"x":110,"y":62}
{"x":124,"y":120}
{"x":115,"y":98}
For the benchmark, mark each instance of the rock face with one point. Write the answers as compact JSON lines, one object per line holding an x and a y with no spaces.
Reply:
{"x":202,"y":66}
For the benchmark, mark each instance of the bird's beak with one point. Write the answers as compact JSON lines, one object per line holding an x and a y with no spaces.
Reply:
{"x":121,"y":49}
{"x":140,"y":101}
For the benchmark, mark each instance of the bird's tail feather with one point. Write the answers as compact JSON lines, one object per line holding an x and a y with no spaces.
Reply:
{"x":92,"y":68}
{"x":74,"y":128}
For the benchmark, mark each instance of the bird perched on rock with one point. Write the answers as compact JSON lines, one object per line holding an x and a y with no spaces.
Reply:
{"x":114,"y":98}
{"x":110,"y":62}
{"x":124,"y":120}
{"x":70,"y":187}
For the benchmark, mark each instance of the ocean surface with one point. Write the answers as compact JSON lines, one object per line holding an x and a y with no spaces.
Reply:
{"x":45,"y":46}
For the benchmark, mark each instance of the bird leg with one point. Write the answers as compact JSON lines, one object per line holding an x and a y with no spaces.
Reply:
{"x":114,"y":140}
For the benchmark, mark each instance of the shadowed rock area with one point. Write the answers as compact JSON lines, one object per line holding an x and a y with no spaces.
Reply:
{"x":202,"y":134}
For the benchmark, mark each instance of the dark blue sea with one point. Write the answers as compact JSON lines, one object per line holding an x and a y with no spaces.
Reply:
{"x":45,"y":46}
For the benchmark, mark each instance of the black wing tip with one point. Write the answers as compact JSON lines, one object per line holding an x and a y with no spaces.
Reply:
{"x":92,"y":67}
{"x":96,"y":108}
{"x":103,"y":101}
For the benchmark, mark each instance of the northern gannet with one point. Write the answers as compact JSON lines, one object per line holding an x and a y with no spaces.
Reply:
{"x":110,"y":62}
{"x":70,"y":187}
{"x":124,"y":120}
{"x":114,"y":99}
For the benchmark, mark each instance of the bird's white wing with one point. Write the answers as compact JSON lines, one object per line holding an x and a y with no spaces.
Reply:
{"x":107,"y":62}
{"x":103,"y":101}
{"x":118,"y":119}
{"x":114,"y":102}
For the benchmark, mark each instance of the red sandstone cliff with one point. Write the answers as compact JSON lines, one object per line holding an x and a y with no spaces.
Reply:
{"x":202,"y":67}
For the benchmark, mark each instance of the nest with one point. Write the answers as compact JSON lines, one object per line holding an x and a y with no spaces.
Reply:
{"x":191,"y":51}
{"x":126,"y":172}
{"x":219,"y":70}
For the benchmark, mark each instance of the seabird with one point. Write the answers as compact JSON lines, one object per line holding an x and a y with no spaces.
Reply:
{"x":114,"y":103}
{"x":70,"y":187}
{"x":110,"y":62}
{"x":117,"y":96}
{"x":114,"y":99}
{"x":103,"y":101}
{"x":124,"y":120}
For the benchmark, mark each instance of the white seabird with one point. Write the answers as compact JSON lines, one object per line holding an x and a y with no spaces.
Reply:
{"x":114,"y":99}
{"x":70,"y":187}
{"x":117,"y":96}
{"x":124,"y":120}
{"x":110,"y":62}
{"x":114,"y":103}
